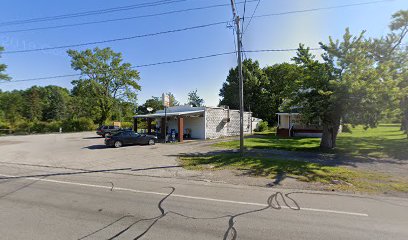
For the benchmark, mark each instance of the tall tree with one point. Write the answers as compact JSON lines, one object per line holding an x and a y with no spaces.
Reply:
{"x":11,"y":104}
{"x":55,"y":100}
{"x":104,"y":78}
{"x":393,"y":57}
{"x":155,"y":103}
{"x":346,"y":86}
{"x":173,"y":101}
{"x":264,"y":89}
{"x":3,"y":67}
{"x":33,"y":104}
{"x":195,"y":100}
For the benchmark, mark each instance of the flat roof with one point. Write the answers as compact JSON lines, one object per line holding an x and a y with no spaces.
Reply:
{"x":287,"y":113}
{"x":170,"y":114}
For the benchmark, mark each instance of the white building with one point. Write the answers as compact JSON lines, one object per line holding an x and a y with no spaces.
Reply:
{"x":199,"y":122}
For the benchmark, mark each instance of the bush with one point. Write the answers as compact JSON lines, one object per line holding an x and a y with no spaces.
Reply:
{"x":78,"y":125}
{"x":126,"y":125}
{"x":23,"y":127}
{"x":4,"y":125}
{"x":262,"y":126}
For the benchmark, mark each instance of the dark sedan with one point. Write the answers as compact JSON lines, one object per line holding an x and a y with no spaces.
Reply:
{"x":129,"y":138}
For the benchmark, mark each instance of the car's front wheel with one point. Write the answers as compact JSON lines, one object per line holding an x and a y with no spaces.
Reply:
{"x":118,"y":144}
{"x":151,"y":142}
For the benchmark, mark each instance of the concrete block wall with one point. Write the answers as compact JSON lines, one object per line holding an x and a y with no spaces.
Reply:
{"x":216,"y":127}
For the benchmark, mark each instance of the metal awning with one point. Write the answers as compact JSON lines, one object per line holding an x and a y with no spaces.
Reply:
{"x":287,"y":113}
{"x":170,"y":114}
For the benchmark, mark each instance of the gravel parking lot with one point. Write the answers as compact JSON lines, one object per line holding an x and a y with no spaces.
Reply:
{"x":87,"y":151}
{"x":72,"y":152}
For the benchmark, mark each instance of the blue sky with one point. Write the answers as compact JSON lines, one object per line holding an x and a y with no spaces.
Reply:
{"x":206,"y":75}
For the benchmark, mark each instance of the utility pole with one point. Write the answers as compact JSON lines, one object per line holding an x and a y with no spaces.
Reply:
{"x":241,"y":81}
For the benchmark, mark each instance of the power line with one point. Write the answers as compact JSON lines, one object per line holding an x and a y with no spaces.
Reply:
{"x":88,"y":13}
{"x":250,"y":20}
{"x":243,"y":14}
{"x":185,"y":29}
{"x":321,"y":8}
{"x":121,"y":19}
{"x":163,"y":62}
{"x":117,"y":39}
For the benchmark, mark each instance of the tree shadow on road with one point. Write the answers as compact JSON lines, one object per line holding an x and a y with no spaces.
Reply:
{"x":231,"y":231}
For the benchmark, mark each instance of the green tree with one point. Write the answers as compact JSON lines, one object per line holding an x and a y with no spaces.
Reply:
{"x":264,"y":89}
{"x":393,"y":57}
{"x":11,"y":104}
{"x":348,"y":85}
{"x":33,"y":104}
{"x":173,"y":101}
{"x":3,"y":67}
{"x":195,"y":100}
{"x":104,"y":79}
{"x":155,"y":103}
{"x":55,"y":100}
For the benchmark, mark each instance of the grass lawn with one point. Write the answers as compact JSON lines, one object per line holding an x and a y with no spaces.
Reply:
{"x":362,"y":181}
{"x":384,"y":141}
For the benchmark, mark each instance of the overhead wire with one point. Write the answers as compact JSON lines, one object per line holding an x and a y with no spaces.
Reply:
{"x":88,"y":13}
{"x":121,"y":19}
{"x":164,"y":62}
{"x":252,"y":16}
{"x":321,"y":8}
{"x":116,"y":39}
{"x":183,"y":29}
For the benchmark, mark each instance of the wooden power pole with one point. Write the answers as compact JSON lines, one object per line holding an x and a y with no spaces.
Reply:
{"x":241,"y":81}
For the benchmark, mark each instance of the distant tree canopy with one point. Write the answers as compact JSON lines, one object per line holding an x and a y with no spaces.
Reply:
{"x":156,"y":104}
{"x":35,"y":104}
{"x":195,"y":100}
{"x":265,"y":89}
{"x":105,"y":81}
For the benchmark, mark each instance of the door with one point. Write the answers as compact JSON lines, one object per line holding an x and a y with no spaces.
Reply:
{"x":127,"y":138}
{"x":136,"y":138}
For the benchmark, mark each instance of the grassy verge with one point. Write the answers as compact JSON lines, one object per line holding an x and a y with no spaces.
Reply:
{"x":345,"y":179}
{"x":384,"y":141}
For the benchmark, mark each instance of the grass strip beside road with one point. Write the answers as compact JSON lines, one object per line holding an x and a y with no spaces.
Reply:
{"x":334,"y":177}
{"x":385,"y":141}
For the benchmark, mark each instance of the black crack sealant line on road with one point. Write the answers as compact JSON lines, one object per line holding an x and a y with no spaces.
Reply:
{"x":230,"y":233}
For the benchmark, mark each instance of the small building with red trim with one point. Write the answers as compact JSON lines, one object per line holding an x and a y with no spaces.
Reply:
{"x":197,"y":122}
{"x":291,"y":125}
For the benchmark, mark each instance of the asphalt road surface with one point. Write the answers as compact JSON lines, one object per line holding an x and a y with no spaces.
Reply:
{"x":45,"y":202}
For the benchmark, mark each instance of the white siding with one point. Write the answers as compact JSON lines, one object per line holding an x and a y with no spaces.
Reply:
{"x":196,"y":124}
{"x":216,"y":127}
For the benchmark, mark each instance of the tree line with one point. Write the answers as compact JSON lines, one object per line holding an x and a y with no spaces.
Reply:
{"x":357,"y":80}
{"x":106,"y":91}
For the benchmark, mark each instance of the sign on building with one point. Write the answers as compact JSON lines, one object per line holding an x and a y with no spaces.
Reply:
{"x":166,"y":100}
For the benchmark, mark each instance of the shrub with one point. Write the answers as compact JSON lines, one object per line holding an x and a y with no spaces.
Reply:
{"x":262,"y":126}
{"x":23,"y":127}
{"x":126,"y":124}
{"x":78,"y":125}
{"x":4,"y":125}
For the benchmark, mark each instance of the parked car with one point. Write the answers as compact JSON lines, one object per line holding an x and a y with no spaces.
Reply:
{"x":122,"y":138}
{"x":107,"y":130}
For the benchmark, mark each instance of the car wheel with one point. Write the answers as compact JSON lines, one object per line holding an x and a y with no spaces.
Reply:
{"x":151,"y":142}
{"x":118,"y":144}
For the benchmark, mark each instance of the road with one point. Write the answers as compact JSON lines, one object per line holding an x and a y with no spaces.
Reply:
{"x":44,"y":202}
